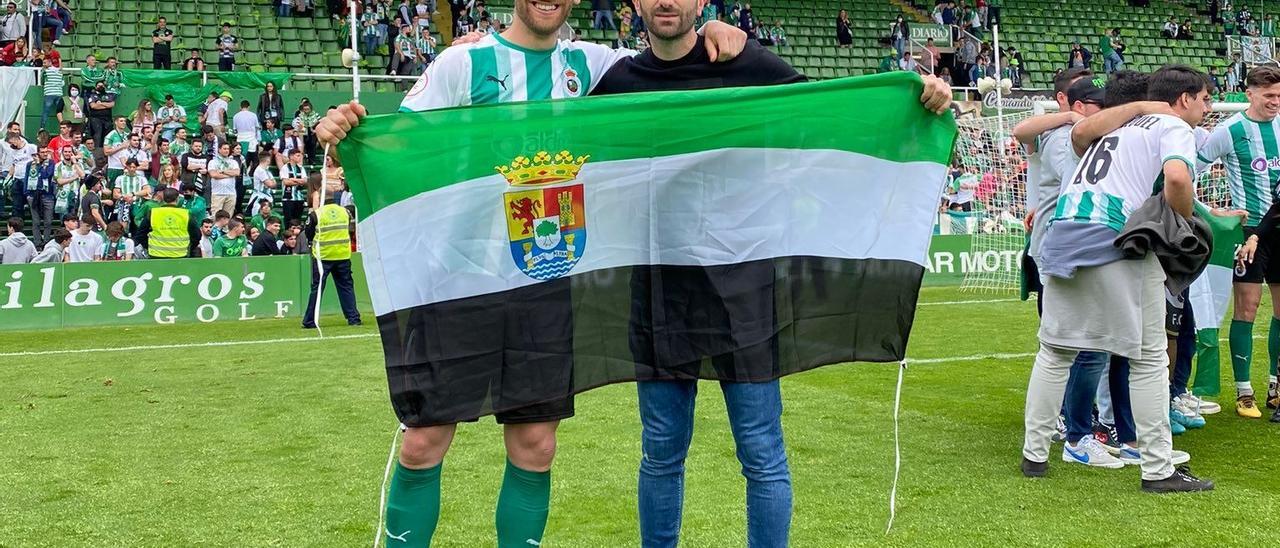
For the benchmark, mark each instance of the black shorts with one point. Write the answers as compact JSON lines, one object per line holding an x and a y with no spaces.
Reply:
{"x":1262,"y":268}
{"x":457,"y":361}
{"x":1174,"y":312}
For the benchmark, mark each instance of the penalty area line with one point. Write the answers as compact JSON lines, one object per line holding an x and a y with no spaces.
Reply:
{"x":190,"y":345}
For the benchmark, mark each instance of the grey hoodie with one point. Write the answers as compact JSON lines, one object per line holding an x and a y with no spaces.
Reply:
{"x":52,"y":253}
{"x":16,"y":249}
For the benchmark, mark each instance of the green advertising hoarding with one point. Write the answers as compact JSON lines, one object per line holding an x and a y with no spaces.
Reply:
{"x":41,"y":296}
{"x":161,"y":292}
{"x":951,"y":257}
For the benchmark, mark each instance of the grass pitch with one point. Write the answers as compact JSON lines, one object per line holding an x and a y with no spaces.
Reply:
{"x":284,"y":443}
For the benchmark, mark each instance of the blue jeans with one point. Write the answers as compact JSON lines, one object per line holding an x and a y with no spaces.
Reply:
{"x":899,"y":45}
{"x":1112,"y":62}
{"x":52,"y":104}
{"x":371,"y":44}
{"x":43,"y":21}
{"x":755,"y":416}
{"x":1116,"y":400}
{"x":1186,"y":345}
{"x":1082,"y":386}
{"x":605,"y":16}
{"x":283,"y":10}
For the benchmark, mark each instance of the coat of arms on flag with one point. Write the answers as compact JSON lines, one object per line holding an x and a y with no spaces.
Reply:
{"x":547,"y":226}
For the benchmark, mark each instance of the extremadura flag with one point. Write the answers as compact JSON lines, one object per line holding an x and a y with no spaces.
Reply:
{"x":523,"y":253}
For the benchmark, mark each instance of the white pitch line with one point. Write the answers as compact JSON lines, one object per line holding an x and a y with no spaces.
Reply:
{"x":192,"y":345}
{"x":997,"y":356}
{"x":974,"y":358}
{"x":970,"y":302}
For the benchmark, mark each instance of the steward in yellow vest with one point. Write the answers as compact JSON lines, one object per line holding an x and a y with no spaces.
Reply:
{"x":170,"y":231}
{"x":328,"y":227}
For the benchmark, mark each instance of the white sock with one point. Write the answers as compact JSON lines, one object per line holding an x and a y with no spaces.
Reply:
{"x":1271,"y":380}
{"x":1244,"y":389}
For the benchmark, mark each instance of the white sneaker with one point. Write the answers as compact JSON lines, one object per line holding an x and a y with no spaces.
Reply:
{"x":1090,"y":452}
{"x":1130,"y":455}
{"x":1202,"y":406}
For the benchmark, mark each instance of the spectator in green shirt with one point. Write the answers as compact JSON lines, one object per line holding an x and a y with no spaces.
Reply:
{"x":91,"y":73}
{"x":1111,"y":60}
{"x":889,"y":63}
{"x":192,"y":201}
{"x":264,"y":215}
{"x":112,"y":77}
{"x":232,"y":243}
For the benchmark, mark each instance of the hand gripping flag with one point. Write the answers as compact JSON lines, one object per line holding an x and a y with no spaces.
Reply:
{"x":522,"y":253}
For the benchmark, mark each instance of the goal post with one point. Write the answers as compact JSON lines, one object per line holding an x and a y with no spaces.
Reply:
{"x":987,"y":153}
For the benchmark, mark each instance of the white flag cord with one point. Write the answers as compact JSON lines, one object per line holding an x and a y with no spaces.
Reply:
{"x":382,"y":493}
{"x":897,"y":448}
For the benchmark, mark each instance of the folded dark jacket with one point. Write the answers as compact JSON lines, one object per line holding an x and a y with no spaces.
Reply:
{"x":1181,"y":245}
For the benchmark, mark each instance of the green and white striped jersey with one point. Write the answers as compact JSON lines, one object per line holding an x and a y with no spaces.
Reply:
{"x":1124,"y":168}
{"x":494,"y":70}
{"x":1249,"y":152}
{"x":129,"y":186}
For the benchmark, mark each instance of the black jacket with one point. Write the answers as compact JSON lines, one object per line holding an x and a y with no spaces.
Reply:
{"x":1182,"y":245}
{"x":266,"y":244}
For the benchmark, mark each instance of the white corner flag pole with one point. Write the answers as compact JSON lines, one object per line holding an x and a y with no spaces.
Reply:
{"x":324,"y":168}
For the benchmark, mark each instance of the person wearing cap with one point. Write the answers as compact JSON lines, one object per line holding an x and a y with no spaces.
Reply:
{"x":171,"y":117}
{"x":215,"y":116}
{"x":1050,"y":161}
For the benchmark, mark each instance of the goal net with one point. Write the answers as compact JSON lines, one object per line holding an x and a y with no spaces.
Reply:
{"x":989,"y":163}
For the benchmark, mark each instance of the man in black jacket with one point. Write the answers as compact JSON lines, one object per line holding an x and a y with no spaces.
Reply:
{"x":267,"y":243}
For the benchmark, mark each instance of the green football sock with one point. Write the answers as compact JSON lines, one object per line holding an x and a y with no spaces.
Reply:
{"x":1273,"y":343}
{"x":1240,"y":342}
{"x":523,"y":506}
{"x":413,"y":506}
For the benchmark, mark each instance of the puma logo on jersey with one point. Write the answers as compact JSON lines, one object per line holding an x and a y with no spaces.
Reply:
{"x":399,"y":537}
{"x":502,"y":82}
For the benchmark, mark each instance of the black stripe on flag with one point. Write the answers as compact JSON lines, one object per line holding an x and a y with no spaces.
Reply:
{"x":749,"y":322}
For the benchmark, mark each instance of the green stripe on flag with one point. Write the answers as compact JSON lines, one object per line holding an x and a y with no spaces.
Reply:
{"x":1226,"y":235}
{"x":463,"y":144}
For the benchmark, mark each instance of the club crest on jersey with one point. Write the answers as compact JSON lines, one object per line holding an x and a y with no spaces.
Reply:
{"x":572,"y":84}
{"x":545,"y":213}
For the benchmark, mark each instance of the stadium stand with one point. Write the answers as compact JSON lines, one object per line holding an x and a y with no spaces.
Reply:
{"x":1045,"y":33}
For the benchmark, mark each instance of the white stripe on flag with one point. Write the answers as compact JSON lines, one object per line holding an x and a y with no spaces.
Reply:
{"x":716,"y":207}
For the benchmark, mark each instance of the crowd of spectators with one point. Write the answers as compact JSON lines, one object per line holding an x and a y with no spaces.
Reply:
{"x":243,"y":175}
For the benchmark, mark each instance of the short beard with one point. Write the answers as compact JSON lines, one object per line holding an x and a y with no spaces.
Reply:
{"x":683,"y":28}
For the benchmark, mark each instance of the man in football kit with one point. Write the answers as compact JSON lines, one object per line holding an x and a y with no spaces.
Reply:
{"x":1248,"y":147}
{"x":524,"y":63}
{"x":1097,"y":301}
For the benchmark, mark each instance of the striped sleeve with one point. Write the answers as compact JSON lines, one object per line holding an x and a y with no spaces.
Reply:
{"x":1215,"y":147}
{"x":446,"y":83}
